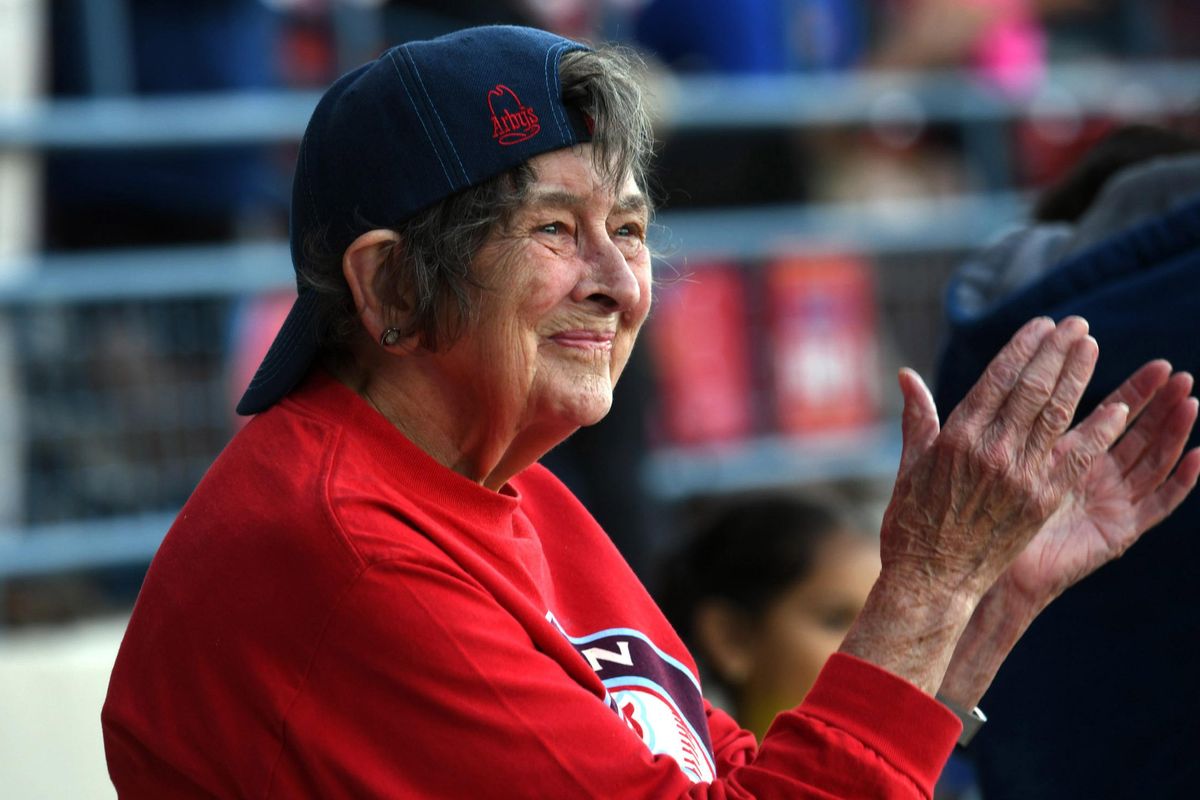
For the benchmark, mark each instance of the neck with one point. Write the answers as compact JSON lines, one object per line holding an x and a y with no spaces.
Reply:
{"x":488,"y":448}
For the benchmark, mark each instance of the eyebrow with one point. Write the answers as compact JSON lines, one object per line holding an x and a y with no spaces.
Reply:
{"x":635,"y":201}
{"x":558,"y":198}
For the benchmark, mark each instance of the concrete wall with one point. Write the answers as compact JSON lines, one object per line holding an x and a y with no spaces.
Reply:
{"x":52,"y":684}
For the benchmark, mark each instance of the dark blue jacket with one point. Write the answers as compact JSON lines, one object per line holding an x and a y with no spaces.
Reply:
{"x":1101,"y":699}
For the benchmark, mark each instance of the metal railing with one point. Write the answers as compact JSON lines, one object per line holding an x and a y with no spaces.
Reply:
{"x":41,"y":286}
{"x":693,"y":103}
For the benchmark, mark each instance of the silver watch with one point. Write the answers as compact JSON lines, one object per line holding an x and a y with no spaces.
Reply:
{"x":971,"y":720}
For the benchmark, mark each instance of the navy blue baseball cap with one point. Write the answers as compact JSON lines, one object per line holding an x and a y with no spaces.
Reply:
{"x":423,"y":121}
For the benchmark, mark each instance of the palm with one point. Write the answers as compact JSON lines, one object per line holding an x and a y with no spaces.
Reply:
{"x":1124,"y":493}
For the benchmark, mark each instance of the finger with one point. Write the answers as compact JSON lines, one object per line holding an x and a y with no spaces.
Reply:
{"x":1174,"y":491}
{"x":1058,"y":411}
{"x":1039,"y":379}
{"x":1132,"y":447}
{"x":1076,"y":451}
{"x":1161,"y":453}
{"x":980,"y":405}
{"x":919,"y":422}
{"x":1139,"y":388}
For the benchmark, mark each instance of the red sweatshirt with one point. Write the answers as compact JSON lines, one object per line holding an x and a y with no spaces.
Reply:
{"x":335,"y":614}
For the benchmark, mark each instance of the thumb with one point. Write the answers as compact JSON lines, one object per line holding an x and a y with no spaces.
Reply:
{"x":919,"y":422}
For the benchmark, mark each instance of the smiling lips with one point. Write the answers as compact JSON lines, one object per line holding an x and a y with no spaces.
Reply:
{"x":585,"y":339}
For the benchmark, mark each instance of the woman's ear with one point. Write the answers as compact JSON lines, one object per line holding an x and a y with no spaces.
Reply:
{"x":726,"y":636}
{"x":360,"y":265}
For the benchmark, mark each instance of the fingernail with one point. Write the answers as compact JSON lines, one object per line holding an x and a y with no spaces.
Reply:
{"x":1076,"y":322}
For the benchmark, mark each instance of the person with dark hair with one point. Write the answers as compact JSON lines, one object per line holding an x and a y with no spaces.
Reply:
{"x":763,"y":591}
{"x":1134,"y":174}
{"x":1100,"y":695}
{"x":1071,"y":198}
{"x":377,"y":591}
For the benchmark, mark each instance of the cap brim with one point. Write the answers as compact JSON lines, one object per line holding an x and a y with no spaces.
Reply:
{"x":288,"y":360}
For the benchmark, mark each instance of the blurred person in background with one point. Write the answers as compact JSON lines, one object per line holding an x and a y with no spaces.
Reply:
{"x":1118,"y":240}
{"x":1000,"y":40}
{"x":1004,"y":43}
{"x":1135,"y":173}
{"x":377,"y":591}
{"x":763,"y":589}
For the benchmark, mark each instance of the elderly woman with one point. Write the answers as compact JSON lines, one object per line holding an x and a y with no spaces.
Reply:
{"x":377,"y":592}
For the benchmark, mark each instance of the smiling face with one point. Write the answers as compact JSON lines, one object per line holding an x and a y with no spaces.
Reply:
{"x":568,"y":288}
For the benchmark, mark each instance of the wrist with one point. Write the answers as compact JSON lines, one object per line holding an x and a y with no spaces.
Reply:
{"x":999,"y":621}
{"x":910,"y":628}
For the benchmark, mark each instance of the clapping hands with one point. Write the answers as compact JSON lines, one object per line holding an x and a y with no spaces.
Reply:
{"x":1001,"y":510}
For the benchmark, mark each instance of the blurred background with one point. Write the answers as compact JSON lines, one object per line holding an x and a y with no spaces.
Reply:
{"x":824,"y":166}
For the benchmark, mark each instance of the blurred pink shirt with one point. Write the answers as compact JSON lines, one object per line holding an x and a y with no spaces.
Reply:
{"x":1011,"y":53}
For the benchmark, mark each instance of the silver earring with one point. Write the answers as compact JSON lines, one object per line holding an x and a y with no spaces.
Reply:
{"x":389,"y":337}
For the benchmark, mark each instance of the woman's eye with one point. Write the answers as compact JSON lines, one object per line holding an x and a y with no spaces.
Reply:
{"x":629,"y":230}
{"x":553,"y":228}
{"x":629,"y":238}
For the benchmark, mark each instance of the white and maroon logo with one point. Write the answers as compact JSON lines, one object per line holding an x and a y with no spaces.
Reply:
{"x":512,"y":121}
{"x":656,"y":695}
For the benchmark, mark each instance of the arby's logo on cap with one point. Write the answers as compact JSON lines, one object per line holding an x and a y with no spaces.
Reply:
{"x":512,"y":121}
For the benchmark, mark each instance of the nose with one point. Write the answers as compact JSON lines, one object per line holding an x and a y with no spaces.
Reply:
{"x":609,"y":281}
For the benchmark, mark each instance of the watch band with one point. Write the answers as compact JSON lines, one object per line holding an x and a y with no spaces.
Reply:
{"x":971,"y":720}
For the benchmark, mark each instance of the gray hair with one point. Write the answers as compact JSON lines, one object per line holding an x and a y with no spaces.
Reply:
{"x":428,"y":272}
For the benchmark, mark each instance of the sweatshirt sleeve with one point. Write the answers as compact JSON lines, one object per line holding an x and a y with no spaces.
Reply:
{"x":444,"y":694}
{"x":861,"y":732}
{"x":733,"y":746}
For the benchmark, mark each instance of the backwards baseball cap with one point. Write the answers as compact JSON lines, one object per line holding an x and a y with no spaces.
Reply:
{"x":423,"y":121}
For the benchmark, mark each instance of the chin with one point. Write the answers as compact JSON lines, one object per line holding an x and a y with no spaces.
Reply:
{"x":592,"y":419}
{"x":587,"y":407}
